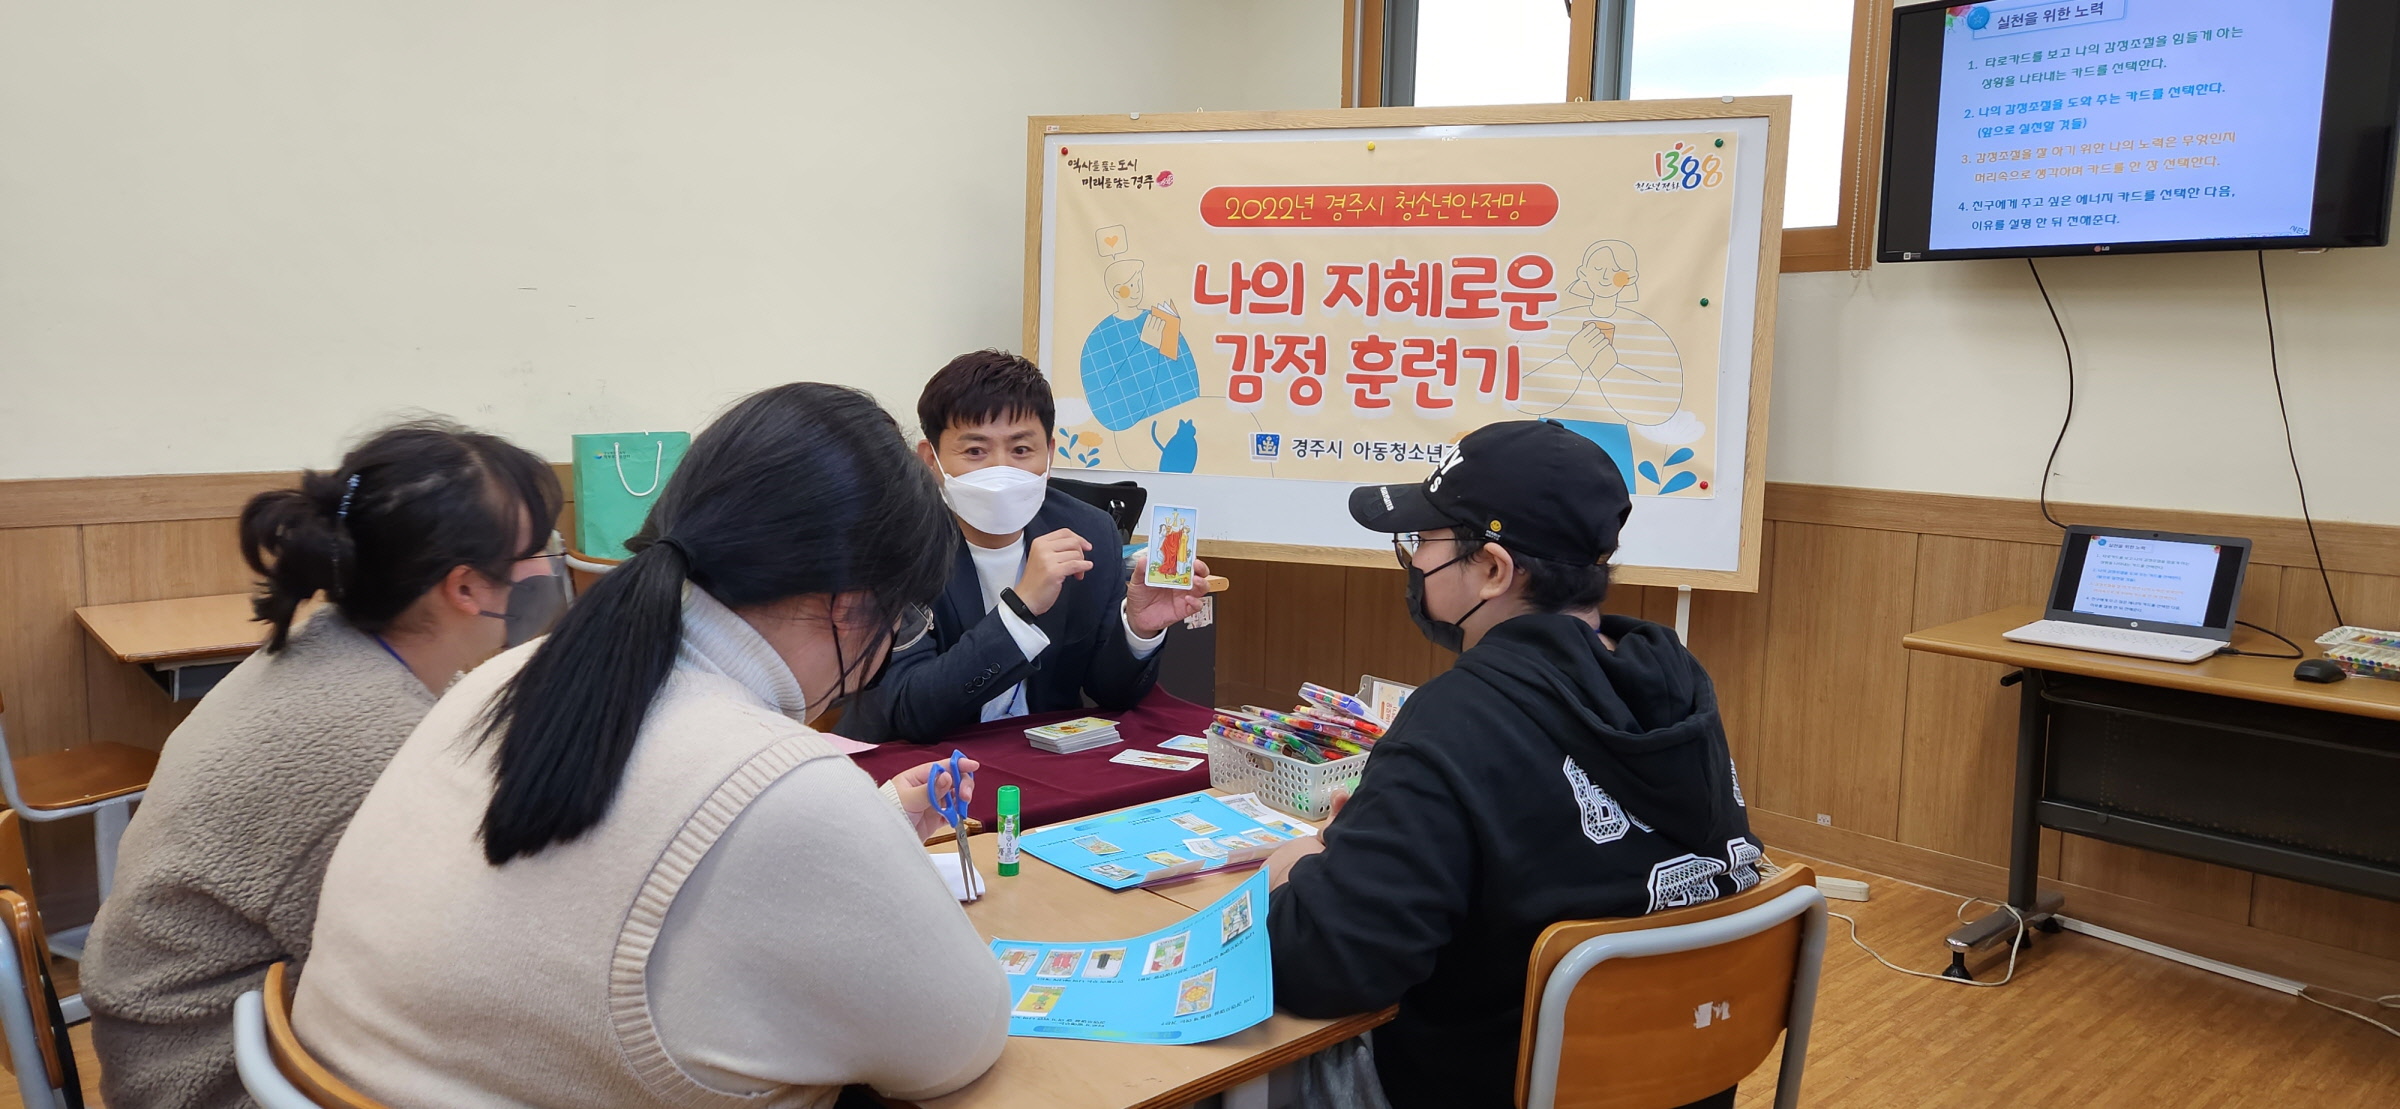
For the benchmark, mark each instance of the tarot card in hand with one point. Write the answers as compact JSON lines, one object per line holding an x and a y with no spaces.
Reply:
{"x":1174,"y":543}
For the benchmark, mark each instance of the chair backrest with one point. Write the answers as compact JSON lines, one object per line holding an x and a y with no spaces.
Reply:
{"x":16,"y":872}
{"x":34,"y":1029}
{"x":1122,"y":500}
{"x":299,"y":1068}
{"x":29,"y":949}
{"x":8,"y":775}
{"x":1666,"y":1009}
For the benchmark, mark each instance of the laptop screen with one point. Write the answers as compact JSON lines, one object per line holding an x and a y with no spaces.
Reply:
{"x":2145,"y":580}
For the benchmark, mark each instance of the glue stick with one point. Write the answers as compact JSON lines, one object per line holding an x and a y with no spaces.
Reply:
{"x":1008,"y":831}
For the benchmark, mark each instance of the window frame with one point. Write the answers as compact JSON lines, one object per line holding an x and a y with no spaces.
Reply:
{"x":1599,"y":39}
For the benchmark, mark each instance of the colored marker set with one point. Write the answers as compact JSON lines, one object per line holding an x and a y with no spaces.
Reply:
{"x":1329,"y":727}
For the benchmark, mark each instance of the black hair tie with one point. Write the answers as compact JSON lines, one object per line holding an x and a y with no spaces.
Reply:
{"x":681,"y":551}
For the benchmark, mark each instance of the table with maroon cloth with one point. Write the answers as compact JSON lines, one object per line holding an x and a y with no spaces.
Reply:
{"x":1061,"y":787}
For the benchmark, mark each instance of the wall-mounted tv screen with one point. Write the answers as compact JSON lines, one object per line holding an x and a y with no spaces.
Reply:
{"x":2045,"y":127}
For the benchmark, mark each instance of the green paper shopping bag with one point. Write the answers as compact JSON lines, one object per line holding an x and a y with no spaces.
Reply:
{"x":617,"y":478}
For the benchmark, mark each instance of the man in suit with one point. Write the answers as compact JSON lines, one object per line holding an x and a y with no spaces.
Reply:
{"x":1040,"y":612}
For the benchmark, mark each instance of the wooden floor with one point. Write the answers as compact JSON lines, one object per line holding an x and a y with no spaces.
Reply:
{"x":2085,"y":1023}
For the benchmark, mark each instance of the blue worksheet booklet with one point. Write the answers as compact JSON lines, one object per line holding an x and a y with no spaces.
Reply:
{"x":1175,"y":838}
{"x":1202,"y":978}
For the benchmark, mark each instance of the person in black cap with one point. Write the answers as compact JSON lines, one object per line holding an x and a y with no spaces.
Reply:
{"x":1570,"y":765}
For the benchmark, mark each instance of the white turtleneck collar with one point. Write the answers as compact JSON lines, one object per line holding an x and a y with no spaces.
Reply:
{"x":718,"y":640}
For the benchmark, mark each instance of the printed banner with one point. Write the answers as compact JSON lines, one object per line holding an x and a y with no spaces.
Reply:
{"x":1315,"y":305}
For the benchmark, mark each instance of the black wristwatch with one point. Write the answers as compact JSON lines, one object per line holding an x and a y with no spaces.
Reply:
{"x":1017,"y":605}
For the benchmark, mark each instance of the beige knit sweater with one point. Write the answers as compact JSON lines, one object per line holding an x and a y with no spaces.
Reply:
{"x":753,"y":924}
{"x":217,"y":876}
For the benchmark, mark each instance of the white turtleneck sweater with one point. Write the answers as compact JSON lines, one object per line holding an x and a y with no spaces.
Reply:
{"x":752,"y":924}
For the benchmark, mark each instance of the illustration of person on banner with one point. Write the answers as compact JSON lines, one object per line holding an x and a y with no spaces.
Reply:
{"x":1136,"y":363}
{"x":1618,"y":373}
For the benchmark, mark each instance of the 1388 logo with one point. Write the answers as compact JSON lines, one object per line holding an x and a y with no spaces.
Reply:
{"x":1683,"y":167}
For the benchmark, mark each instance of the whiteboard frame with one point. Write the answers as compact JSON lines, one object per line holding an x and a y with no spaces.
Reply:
{"x":1775,"y":111}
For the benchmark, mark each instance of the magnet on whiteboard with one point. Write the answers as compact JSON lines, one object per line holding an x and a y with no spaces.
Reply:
{"x":1370,"y":144}
{"x":1138,"y":115}
{"x":1726,"y":99}
{"x":1703,"y":302}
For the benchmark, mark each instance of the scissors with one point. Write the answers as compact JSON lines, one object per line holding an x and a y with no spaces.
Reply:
{"x":952,"y":804}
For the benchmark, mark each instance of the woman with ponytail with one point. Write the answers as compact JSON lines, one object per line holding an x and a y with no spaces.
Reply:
{"x":618,"y":868}
{"x":427,"y":545}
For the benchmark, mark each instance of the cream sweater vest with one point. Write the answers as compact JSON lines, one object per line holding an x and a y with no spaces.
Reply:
{"x":438,"y":979}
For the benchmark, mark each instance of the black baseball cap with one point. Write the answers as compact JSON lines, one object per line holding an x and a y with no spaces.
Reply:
{"x":1529,"y":485}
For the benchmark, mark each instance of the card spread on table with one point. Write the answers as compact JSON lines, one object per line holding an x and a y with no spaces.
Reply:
{"x":1202,"y":978}
{"x":1156,"y":843}
{"x":1250,"y":806}
{"x":1174,"y":542}
{"x":1191,"y":743}
{"x":1159,"y":759}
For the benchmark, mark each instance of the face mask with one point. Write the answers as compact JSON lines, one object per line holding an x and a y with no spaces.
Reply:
{"x":996,"y":500}
{"x":534,"y":606}
{"x":1450,"y":636}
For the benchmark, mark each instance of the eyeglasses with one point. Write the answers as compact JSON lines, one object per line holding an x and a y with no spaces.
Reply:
{"x":914,"y":624}
{"x":1405,"y":544}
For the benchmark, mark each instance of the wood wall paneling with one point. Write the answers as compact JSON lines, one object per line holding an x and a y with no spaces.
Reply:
{"x":1837,"y":679}
{"x":1242,"y":630}
{"x":1959,"y":752}
{"x":2168,"y":880}
{"x":1307,"y":626}
{"x":1379,"y":637}
{"x":75,"y":502}
{"x":2276,"y":540}
{"x":2368,"y":600}
{"x":41,"y":645}
{"x":2330,"y":917}
{"x":1729,"y":636}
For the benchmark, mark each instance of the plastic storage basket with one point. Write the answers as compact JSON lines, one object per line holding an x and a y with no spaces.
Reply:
{"x":1286,"y":784}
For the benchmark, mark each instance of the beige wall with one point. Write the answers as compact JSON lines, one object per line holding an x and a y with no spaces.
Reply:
{"x":234,"y":235}
{"x":1947,"y":377}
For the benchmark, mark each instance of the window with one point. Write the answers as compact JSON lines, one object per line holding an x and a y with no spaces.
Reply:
{"x":1825,"y":54}
{"x":1490,"y":51}
{"x":1758,"y":48}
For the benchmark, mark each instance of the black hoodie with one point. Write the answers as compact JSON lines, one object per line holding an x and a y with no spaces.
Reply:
{"x":1543,"y":778}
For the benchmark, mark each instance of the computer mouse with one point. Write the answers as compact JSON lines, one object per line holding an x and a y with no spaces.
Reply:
{"x":2318,"y":670}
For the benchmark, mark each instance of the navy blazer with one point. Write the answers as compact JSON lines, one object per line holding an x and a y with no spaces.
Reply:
{"x":940,"y":685}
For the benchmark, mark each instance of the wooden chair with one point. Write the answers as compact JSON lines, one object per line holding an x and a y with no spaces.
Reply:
{"x":102,"y":780}
{"x":1667,"y":1009}
{"x":278,"y":1072}
{"x":39,"y":1053}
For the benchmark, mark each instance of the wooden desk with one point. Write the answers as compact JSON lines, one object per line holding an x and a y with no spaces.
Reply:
{"x":185,"y":644}
{"x":1045,"y":903}
{"x":2230,"y":761}
{"x":2252,"y":679}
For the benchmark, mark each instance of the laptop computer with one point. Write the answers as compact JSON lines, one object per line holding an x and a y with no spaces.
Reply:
{"x":2149,"y":594}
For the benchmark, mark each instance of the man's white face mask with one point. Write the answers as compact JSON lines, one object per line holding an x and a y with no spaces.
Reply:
{"x":996,"y":500}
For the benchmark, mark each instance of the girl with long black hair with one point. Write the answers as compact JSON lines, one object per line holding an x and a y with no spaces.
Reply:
{"x":428,"y":545}
{"x":619,"y":869}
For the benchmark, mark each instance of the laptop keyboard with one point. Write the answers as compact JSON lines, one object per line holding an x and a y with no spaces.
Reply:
{"x":2115,"y":641}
